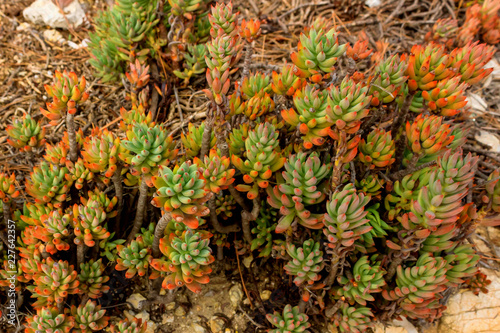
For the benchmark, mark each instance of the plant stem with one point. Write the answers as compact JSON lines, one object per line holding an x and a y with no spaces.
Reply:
{"x":159,"y":230}
{"x":331,"y":310}
{"x":73,"y":146}
{"x":215,"y":221}
{"x":139,"y":215}
{"x":246,"y":217}
{"x":207,"y":137}
{"x":246,"y":62}
{"x":80,"y":254}
{"x":220,"y":253}
{"x":6,"y":213}
{"x":334,"y":267}
{"x":393,"y":267}
{"x":117,"y":182}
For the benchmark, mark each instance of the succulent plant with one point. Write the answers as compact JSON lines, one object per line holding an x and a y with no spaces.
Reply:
{"x":367,"y":279}
{"x":389,"y":81}
{"x":192,"y":140}
{"x":311,"y":116}
{"x":237,"y":138}
{"x":428,"y":65}
{"x":351,"y":319}
{"x":107,"y":204}
{"x":448,"y":97}
{"x":66,"y":92}
{"x":216,"y":171}
{"x":345,"y":220}
{"x":263,"y":158}
{"x":301,"y":187}
{"x":470,"y":61}
{"x":254,"y":84}
{"x":265,"y":226}
{"x":48,"y":183}
{"x":258,"y":105}
{"x":418,"y":286}
{"x":194,"y":62}
{"x":318,"y":51}
{"x":461,"y":261}
{"x":225,"y":206}
{"x":306,"y":262}
{"x":286,"y":83}
{"x":292,"y":321}
{"x":359,"y":50}
{"x":182,"y":193}
{"x":56,"y":154}
{"x":134,"y":258}
{"x":370,"y":185}
{"x":250,"y":30}
{"x":78,"y":173}
{"x":100,"y":152}
{"x":222,"y":17}
{"x":25,"y":133}
{"x":379,"y":226}
{"x":49,"y":319}
{"x":8,"y":188}
{"x":427,"y":138}
{"x":378,"y":150}
{"x":443,"y":31}
{"x":136,"y":115}
{"x":89,"y":317}
{"x":148,"y":148}
{"x":188,"y":257}
{"x":88,"y":222}
{"x":492,"y":196}
{"x":348,"y":104}
{"x":92,"y":278}
{"x":478,"y":283}
{"x":53,"y":282}
{"x":109,"y":248}
{"x":52,"y":230}
{"x":129,"y":326}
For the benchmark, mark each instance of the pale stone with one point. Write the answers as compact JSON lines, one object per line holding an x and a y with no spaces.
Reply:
{"x":195,"y":328}
{"x":167,"y":319}
{"x":143,"y":315}
{"x":489,"y":139}
{"x":373,"y":3}
{"x":45,"y":12}
{"x":151,"y":328}
{"x":180,"y":312}
{"x":216,"y":324}
{"x":236,"y":294}
{"x":170,"y":306}
{"x":247,"y":261}
{"x":265,"y":295}
{"x":135,"y":300}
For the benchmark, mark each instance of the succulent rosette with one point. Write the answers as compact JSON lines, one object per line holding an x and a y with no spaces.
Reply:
{"x":26,"y":133}
{"x":216,"y":171}
{"x":306,"y":262}
{"x":89,"y":317}
{"x":134,"y":258}
{"x":92,"y":278}
{"x":48,"y":184}
{"x":89,"y":223}
{"x":291,"y":321}
{"x":378,"y":150}
{"x":49,"y":319}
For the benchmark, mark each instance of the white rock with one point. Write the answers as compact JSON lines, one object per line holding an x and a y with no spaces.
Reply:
{"x":476,"y":103}
{"x":45,"y":12}
{"x":23,"y":26}
{"x":396,"y":326}
{"x":151,"y":326}
{"x":490,"y":139}
{"x":265,"y":295}
{"x":143,"y":315}
{"x":53,"y":36}
{"x":135,"y":300}
{"x":373,"y":3}
{"x":236,"y":295}
{"x":167,"y":319}
{"x":195,"y":328}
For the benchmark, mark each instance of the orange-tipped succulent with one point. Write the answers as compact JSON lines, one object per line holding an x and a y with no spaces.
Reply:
{"x":286,"y":83}
{"x":378,"y":150}
{"x":427,"y":137}
{"x":53,"y":282}
{"x":8,"y":188}
{"x":181,"y":192}
{"x":48,"y":183}
{"x":92,"y":278}
{"x":89,"y":222}
{"x":216,"y":171}
{"x":311,"y":116}
{"x":25,"y":133}
{"x":100,"y":152}
{"x":134,"y":258}
{"x":186,"y":262}
{"x":49,"y":319}
{"x":448,"y":97}
{"x":66,"y":92}
{"x":470,"y":60}
{"x":348,"y":104}
{"x":359,"y":50}
{"x":222,"y":17}
{"x":317,"y":54}
{"x":52,"y":231}
{"x":443,"y":31}
{"x":262,"y":160}
{"x":427,"y":65}
{"x":250,"y":30}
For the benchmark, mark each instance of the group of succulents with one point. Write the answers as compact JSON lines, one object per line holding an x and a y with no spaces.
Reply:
{"x":369,"y":217}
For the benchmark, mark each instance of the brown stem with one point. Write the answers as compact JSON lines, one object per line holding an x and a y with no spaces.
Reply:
{"x":238,"y":198}
{"x":80,"y":254}
{"x":329,"y":312}
{"x":215,"y":221}
{"x":117,"y":182}
{"x":393,"y":267}
{"x":159,"y":230}
{"x":412,"y":168}
{"x":6,"y":213}
{"x":206,"y":138}
{"x":220,"y":253}
{"x":246,"y":62}
{"x":399,"y":122}
{"x":334,"y":267}
{"x":73,"y":146}
{"x":139,"y":215}
{"x":246,"y":217}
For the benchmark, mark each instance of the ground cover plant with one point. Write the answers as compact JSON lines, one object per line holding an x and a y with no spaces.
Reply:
{"x":347,"y":166}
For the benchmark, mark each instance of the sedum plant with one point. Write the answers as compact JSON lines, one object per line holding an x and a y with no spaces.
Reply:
{"x":92,"y":278}
{"x":89,"y":317}
{"x":49,"y":184}
{"x":134,"y":258}
{"x":26,"y":133}
{"x":353,"y":319}
{"x":292,"y":321}
{"x":49,"y":319}
{"x":306,"y":262}
{"x":129,"y":326}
